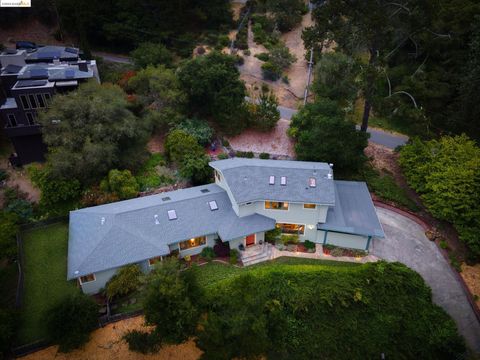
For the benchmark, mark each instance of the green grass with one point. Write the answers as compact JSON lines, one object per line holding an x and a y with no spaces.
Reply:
{"x":45,"y":278}
{"x":154,"y":173}
{"x":211,"y":273}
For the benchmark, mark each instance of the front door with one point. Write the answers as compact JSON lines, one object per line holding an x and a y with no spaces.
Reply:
{"x":250,"y":240}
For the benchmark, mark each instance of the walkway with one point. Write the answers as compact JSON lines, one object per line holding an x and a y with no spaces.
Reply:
{"x":406,"y":242}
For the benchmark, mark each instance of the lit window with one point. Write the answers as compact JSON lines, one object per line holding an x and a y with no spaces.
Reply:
{"x":283,"y":180}
{"x":309,"y":206}
{"x":276,"y":205}
{"x":172,"y":214}
{"x":213,"y":205}
{"x":154,"y":260}
{"x":291,"y":229}
{"x":312,"y":182}
{"x":193,"y":242}
{"x":87,"y":278}
{"x":271,"y":180}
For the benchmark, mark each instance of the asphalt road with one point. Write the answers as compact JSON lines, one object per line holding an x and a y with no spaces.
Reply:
{"x":113,"y":58}
{"x":377,"y":136}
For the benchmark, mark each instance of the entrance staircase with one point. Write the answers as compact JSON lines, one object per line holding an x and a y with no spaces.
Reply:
{"x":256,"y":253}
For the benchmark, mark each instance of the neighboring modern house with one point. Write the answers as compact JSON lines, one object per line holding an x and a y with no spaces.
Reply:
{"x":28,"y":81}
{"x":248,"y":198}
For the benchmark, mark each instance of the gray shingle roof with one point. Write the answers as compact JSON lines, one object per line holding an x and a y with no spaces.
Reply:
{"x":112,"y":235}
{"x":353,"y":212}
{"x":248,"y":180}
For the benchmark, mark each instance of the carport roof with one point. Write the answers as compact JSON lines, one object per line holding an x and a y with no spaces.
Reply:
{"x":353,"y":212}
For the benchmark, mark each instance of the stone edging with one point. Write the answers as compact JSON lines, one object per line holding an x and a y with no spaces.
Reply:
{"x":426,"y":227}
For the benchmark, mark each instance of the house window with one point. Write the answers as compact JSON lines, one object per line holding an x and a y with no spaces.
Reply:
{"x":276,"y":205}
{"x":291,"y":229}
{"x":155,"y":260}
{"x":24,"y":100}
{"x":309,"y":206}
{"x":12,"y":120}
{"x":33,"y":102}
{"x":193,"y":242}
{"x":40,"y":100}
{"x":87,"y":278}
{"x":30,"y":118}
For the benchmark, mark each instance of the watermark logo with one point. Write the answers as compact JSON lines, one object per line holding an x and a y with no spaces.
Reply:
{"x":15,"y":3}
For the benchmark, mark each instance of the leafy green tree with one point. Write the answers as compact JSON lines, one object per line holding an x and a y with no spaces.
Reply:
{"x":124,"y":282}
{"x":264,"y":112}
{"x":70,"y":322}
{"x":121,"y":183}
{"x":446,"y":173}
{"x":198,"y":129}
{"x":322,"y":133}
{"x":214,"y":90}
{"x":280,"y":56}
{"x":171,"y":302}
{"x":197,"y":169}
{"x":336,"y":77}
{"x":148,"y":53}
{"x":20,"y":207}
{"x":8,"y":231}
{"x":179,"y":144}
{"x":286,"y":13}
{"x":271,"y":71}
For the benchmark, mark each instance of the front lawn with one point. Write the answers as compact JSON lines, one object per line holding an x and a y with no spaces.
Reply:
{"x":45,"y":274}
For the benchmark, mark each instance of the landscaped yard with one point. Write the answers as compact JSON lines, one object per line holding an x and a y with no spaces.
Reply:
{"x":45,"y":272}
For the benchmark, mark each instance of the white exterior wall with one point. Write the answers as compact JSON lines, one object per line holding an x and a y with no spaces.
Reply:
{"x":223,"y":184}
{"x":347,"y":240}
{"x":260,"y":236}
{"x":196,"y":250}
{"x":101,"y":278}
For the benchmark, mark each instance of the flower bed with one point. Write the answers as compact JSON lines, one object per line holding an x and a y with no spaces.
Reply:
{"x":337,"y":251}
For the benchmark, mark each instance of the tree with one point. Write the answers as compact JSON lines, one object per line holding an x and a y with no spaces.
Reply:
{"x":154,"y":54}
{"x":265,"y":114}
{"x":179,"y":144}
{"x":8,"y":231}
{"x":322,"y":133}
{"x":280,"y":56}
{"x":214,"y":90}
{"x":71,"y":320}
{"x":286,"y":13}
{"x":121,"y":183}
{"x":124,"y":282}
{"x":336,"y":77}
{"x":197,"y":169}
{"x":446,"y":173}
{"x":90,"y":131}
{"x":198,"y":129}
{"x":171,"y":302}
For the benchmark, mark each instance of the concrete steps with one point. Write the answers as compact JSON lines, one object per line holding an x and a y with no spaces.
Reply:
{"x":256,"y":255}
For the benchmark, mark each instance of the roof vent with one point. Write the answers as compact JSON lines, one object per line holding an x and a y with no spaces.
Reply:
{"x":213,"y":205}
{"x":283,"y":180}
{"x":172,"y":215}
{"x":271,"y":180}
{"x":156,"y":219}
{"x":331,"y":165}
{"x":330,"y":176}
{"x":102,"y":220}
{"x":312,"y":182}
{"x":205,"y":191}
{"x":166,"y":198}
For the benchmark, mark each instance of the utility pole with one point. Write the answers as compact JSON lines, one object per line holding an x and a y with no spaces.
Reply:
{"x":309,"y":77}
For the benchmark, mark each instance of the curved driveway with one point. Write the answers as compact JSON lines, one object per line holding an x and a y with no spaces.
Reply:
{"x":406,"y":242}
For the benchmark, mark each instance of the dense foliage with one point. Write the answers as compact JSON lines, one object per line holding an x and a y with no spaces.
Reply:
{"x":91,"y":131}
{"x":300,"y":312}
{"x":153,"y":54}
{"x":214,"y":90}
{"x":124,"y":282}
{"x":8,"y":231}
{"x":199,"y":129}
{"x":264,"y":112}
{"x":322,"y":133}
{"x":286,"y":14}
{"x":121,"y":183}
{"x":446,"y":172}
{"x":70,"y":322}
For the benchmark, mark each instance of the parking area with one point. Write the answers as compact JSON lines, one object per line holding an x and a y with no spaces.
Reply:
{"x":406,"y":242}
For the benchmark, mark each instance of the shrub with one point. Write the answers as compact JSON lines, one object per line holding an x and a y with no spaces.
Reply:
{"x":225,"y":143}
{"x":456,"y":264}
{"x":70,"y":322}
{"x":309,"y":244}
{"x":222,"y":41}
{"x":264,"y":156}
{"x":336,"y":251}
{"x":262,"y":56}
{"x":8,"y":231}
{"x":154,"y":173}
{"x":222,"y":156}
{"x":329,"y":246}
{"x":246,"y":52}
{"x":270,"y":71}
{"x":142,"y":342}
{"x":249,"y":154}
{"x":121,"y":183}
{"x":443,"y":244}
{"x":199,"y":129}
{"x":222,"y":249}
{"x":179,"y":144}
{"x":264,"y":111}
{"x":124,"y":282}
{"x":239,"y":60}
{"x":289,"y":239}
{"x":151,"y":54}
{"x":272,"y":236}
{"x":207,"y":253}
{"x":234,"y":255}
{"x":245,"y":154}
{"x":95,"y":196}
{"x":20,"y":207}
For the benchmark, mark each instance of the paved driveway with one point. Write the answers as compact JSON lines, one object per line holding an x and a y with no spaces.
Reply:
{"x":406,"y":242}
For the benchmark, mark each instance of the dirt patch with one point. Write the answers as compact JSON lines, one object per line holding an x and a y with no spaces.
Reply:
{"x":31,"y":31}
{"x":383,"y":159}
{"x":18,"y":178}
{"x":106,"y":343}
{"x":471,"y":275}
{"x":236,"y":9}
{"x":275,"y":142}
{"x":157,"y":143}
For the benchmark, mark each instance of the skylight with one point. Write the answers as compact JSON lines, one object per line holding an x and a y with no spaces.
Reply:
{"x":172,"y":215}
{"x":283,"y":180}
{"x":271,"y":180}
{"x":312,"y":182}
{"x":213,"y":205}
{"x":166,"y":198}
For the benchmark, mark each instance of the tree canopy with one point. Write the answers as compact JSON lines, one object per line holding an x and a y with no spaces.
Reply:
{"x":151,"y":54}
{"x":90,"y":131}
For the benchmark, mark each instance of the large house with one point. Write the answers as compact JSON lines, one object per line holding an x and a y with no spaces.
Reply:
{"x":248,"y":198}
{"x":28,"y":80}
